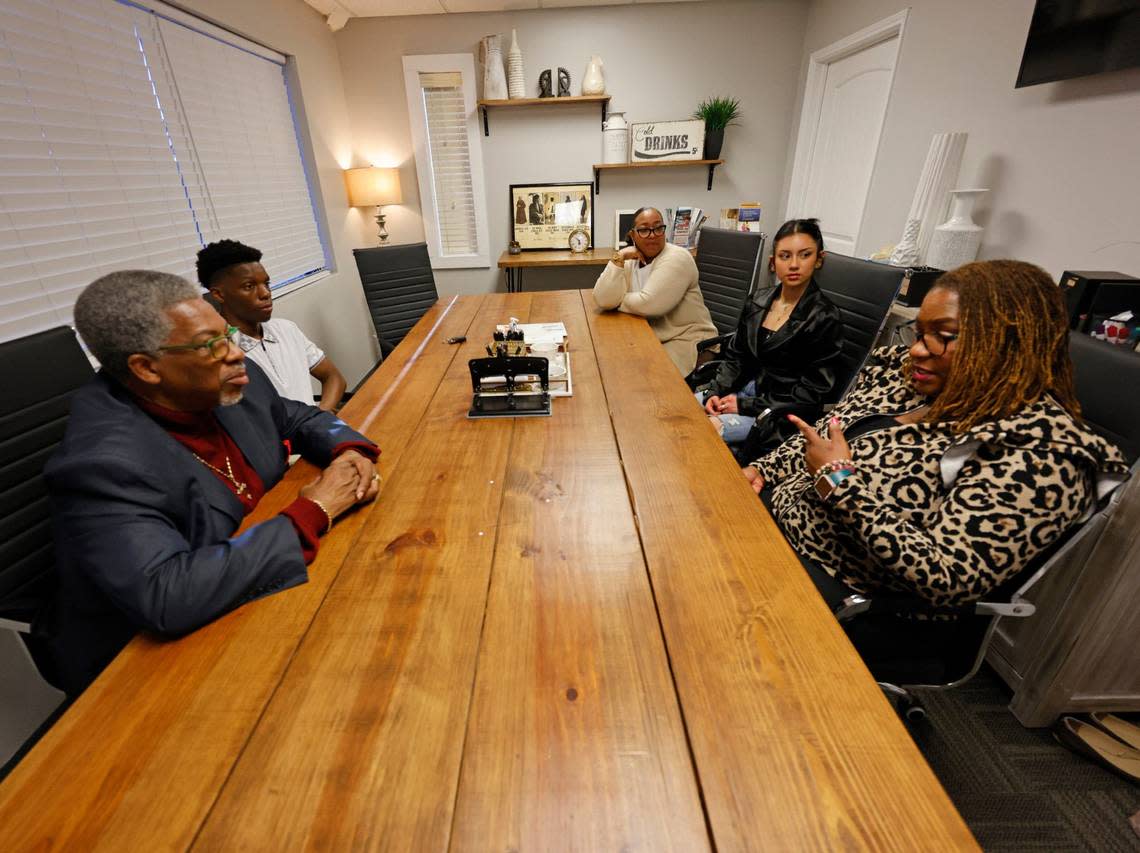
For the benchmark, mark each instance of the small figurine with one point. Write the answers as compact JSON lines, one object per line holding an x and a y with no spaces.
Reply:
{"x":513,"y":248}
{"x":544,"y":85}
{"x":563,"y":83}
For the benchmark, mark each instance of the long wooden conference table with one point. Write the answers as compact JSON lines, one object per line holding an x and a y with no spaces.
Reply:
{"x":580,"y":632}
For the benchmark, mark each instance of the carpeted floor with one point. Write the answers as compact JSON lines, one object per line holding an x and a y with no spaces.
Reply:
{"x":1018,"y":789}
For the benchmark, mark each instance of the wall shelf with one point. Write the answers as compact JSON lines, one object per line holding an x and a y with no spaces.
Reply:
{"x":569,"y":100}
{"x":600,"y":167}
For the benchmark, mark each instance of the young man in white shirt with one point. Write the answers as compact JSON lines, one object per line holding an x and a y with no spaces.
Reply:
{"x":239,"y":284}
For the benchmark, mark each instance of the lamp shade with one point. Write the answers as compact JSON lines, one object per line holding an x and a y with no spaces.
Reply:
{"x":373,"y":186}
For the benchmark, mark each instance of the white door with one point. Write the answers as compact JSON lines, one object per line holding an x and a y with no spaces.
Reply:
{"x":845,"y":102}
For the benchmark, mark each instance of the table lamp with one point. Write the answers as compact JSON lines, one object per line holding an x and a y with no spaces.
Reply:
{"x":374,"y":187}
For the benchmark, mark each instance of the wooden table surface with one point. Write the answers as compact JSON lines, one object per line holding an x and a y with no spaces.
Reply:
{"x":556,"y":258}
{"x":580,"y":632}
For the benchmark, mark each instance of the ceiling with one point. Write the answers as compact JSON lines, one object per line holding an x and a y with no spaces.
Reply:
{"x":337,"y":12}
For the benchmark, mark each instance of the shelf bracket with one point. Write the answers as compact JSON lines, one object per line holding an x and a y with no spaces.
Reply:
{"x":604,"y":105}
{"x":597,"y":182}
{"x":486,"y":130}
{"x":712,"y":168}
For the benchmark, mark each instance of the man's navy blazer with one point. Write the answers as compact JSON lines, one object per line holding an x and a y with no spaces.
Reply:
{"x":142,"y":529}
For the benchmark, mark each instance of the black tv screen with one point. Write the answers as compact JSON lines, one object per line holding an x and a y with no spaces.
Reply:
{"x":1072,"y":38}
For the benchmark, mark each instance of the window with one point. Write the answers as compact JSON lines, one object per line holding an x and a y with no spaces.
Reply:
{"x":111,"y":157}
{"x":449,"y":158}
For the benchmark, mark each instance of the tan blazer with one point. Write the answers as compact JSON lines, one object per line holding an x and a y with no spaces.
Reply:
{"x":671,"y":301}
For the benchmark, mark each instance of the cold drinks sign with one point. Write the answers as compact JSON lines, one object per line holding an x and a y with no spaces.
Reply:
{"x":666,"y":140}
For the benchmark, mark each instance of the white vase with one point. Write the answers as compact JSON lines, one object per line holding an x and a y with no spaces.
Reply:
{"x":905,"y":254}
{"x":615,"y":139}
{"x":494,"y":76}
{"x":516,"y":82}
{"x":593,"y":83}
{"x":956,"y":241}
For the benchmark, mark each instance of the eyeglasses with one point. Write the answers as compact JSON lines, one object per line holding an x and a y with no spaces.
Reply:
{"x":934,"y":342}
{"x":646,"y":231}
{"x":218,"y":347}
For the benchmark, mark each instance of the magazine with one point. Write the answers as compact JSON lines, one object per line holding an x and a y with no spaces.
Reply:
{"x":687,"y":223}
{"x":748,"y":217}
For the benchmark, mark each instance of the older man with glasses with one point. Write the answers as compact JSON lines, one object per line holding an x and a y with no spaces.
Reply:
{"x":167,"y":449}
{"x":657,"y":280}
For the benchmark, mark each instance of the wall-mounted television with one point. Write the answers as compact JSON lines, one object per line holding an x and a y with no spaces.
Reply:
{"x":1073,"y":38}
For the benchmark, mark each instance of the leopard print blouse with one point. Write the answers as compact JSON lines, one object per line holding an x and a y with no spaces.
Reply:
{"x":932,"y":512}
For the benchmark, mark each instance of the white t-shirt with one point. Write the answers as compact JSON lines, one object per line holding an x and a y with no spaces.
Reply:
{"x":286,"y":356}
{"x":640,"y":276}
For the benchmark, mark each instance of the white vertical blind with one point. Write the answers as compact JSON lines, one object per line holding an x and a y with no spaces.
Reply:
{"x":87,"y":181}
{"x":450,"y":161}
{"x":98,"y":162}
{"x":449,"y":158}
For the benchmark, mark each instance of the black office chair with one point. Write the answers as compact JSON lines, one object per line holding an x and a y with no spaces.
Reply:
{"x":863,"y":292}
{"x":39,"y":374}
{"x":906,"y":654}
{"x":728,"y":265}
{"x":399,"y":288}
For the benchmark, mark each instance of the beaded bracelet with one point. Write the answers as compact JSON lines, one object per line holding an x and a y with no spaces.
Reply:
{"x":835,"y":465}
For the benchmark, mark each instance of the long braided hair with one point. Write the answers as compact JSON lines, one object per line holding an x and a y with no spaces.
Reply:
{"x":1013,"y":344}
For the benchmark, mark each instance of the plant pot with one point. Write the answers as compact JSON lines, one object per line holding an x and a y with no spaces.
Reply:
{"x":714,"y":141}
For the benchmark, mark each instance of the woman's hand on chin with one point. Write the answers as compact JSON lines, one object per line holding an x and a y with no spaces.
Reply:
{"x":818,"y":451}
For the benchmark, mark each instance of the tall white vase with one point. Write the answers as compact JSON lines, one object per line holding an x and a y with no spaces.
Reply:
{"x":516,"y":81}
{"x":593,"y":83}
{"x":928,"y":208}
{"x":494,"y":76}
{"x":956,"y":241}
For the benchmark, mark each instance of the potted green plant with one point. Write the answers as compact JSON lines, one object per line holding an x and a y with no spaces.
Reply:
{"x":717,"y":114}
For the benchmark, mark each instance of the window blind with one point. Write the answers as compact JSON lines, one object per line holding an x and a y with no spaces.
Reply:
{"x":236,"y":107}
{"x":446,"y":121}
{"x":88,"y":183}
{"x":111,"y":155}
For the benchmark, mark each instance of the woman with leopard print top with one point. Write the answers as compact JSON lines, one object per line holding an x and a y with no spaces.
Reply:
{"x":951,"y":464}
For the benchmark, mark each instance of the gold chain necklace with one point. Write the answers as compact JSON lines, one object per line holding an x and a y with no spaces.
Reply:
{"x":240,"y":488}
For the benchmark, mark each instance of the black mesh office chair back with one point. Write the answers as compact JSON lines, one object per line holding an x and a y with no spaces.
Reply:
{"x":863,"y":292}
{"x":399,"y":288}
{"x":728,"y":265}
{"x":39,"y":373}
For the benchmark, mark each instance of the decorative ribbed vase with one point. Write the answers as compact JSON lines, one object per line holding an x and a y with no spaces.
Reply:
{"x":957,"y":240}
{"x":939,"y":174}
{"x":516,"y":82}
{"x":494,"y":76}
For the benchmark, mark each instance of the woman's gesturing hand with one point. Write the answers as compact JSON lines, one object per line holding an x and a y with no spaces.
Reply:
{"x":818,"y":451}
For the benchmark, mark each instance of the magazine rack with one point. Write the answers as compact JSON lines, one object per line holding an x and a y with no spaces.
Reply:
{"x":509,"y":387}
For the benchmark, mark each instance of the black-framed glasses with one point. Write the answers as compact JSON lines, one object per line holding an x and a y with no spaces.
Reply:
{"x":934,"y":342}
{"x":218,"y":347}
{"x":646,"y":231}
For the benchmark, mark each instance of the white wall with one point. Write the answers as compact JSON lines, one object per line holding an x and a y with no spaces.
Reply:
{"x":660,"y":61}
{"x":1059,"y":158}
{"x":332,"y":312}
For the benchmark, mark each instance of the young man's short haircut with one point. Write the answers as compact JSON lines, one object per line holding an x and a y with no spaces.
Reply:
{"x":222,"y":255}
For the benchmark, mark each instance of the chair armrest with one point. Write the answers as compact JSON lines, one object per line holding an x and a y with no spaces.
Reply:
{"x":711,"y":342}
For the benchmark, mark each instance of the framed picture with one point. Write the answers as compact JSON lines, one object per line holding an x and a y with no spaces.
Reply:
{"x":544,"y":215}
{"x":623,"y":222}
{"x":652,"y":141}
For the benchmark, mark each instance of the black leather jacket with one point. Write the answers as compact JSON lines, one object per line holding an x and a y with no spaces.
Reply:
{"x":793,"y":365}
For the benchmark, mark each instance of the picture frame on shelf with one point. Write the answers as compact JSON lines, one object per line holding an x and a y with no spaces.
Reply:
{"x":659,"y":141}
{"x":543,"y":215}
{"x":623,"y":222}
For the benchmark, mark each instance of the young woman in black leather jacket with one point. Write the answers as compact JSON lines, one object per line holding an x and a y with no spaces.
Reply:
{"x":784,"y":350}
